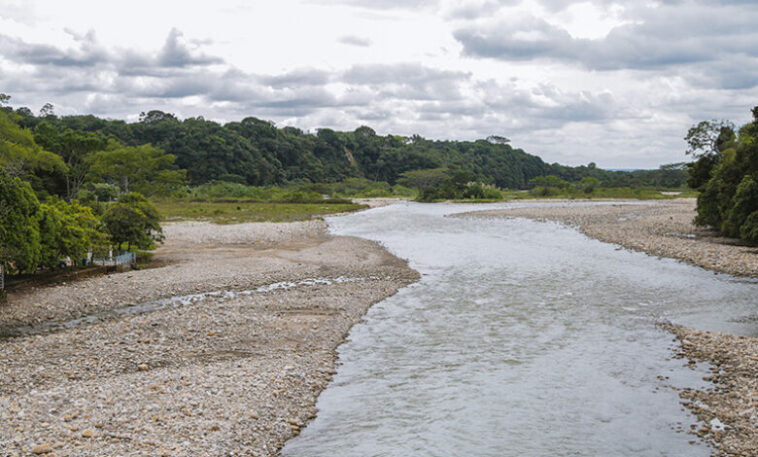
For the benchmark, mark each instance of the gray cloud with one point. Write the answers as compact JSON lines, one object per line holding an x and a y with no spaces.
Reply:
{"x":690,"y":34}
{"x":297,"y":77}
{"x":175,"y":53}
{"x":354,"y":40}
{"x":87,"y":54}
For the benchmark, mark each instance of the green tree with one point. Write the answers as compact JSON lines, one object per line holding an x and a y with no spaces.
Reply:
{"x":68,"y":230}
{"x":588,"y":184}
{"x":144,"y":167}
{"x":74,"y":147}
{"x":728,"y":200}
{"x":133,"y":221}
{"x":21,"y":156}
{"x":19,"y":229}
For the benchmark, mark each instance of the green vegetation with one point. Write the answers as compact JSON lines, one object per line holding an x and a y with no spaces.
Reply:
{"x":19,"y":231}
{"x":233,"y":212}
{"x":257,"y":153}
{"x":133,"y":221}
{"x":726,"y":174}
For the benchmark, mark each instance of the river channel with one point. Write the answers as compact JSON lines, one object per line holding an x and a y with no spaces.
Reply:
{"x":521,"y":339}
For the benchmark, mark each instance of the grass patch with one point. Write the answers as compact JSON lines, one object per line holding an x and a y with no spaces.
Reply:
{"x":234,"y":212}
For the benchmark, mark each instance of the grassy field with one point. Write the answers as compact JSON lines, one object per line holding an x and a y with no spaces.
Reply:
{"x":230,"y":212}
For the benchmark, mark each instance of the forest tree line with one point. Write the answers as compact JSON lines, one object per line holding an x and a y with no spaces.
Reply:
{"x":256,"y":152}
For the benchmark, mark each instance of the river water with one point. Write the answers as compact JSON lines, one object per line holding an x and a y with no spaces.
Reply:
{"x":521,"y":339}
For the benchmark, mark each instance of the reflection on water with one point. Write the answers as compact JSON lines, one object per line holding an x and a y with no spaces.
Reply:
{"x":521,"y":339}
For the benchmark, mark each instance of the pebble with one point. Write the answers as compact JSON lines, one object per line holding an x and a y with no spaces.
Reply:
{"x":42,"y":449}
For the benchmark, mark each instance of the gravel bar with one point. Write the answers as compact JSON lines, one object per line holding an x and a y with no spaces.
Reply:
{"x":232,"y":374}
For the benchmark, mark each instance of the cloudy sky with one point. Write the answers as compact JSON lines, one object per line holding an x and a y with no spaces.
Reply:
{"x":614,"y":82}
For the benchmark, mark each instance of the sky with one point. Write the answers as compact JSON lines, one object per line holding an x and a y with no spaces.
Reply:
{"x":617,"y":83}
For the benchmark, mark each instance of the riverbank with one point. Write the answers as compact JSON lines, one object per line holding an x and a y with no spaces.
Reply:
{"x":216,"y":374}
{"x":729,"y":409}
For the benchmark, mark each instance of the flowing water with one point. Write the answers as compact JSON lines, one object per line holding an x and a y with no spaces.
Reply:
{"x":521,"y":339}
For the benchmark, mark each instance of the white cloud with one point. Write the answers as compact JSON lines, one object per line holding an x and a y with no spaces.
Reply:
{"x":617,"y":82}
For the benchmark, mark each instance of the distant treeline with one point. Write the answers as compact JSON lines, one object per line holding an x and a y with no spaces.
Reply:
{"x":256,"y":152}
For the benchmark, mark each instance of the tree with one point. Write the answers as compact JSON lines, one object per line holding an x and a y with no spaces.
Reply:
{"x":68,"y":230}
{"x":709,"y":138}
{"x":135,"y":167}
{"x":728,"y":201}
{"x":4,"y":99}
{"x":21,"y":156}
{"x":47,"y":110}
{"x":588,"y":184}
{"x":496,"y":139}
{"x":19,"y":229}
{"x":133,"y":221}
{"x":74,"y":147}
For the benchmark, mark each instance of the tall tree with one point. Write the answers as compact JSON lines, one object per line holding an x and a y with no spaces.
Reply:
{"x":74,"y":147}
{"x":19,"y":229}
{"x":135,"y":167}
{"x":21,"y":156}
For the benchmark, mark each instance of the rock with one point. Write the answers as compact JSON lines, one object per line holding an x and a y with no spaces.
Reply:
{"x":42,"y":449}
{"x":88,"y":433}
{"x":143,"y":367}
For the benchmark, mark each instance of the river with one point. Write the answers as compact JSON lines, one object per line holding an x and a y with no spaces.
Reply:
{"x":521,"y":339}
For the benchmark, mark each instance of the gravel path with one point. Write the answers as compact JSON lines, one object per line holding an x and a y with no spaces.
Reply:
{"x":729,"y":408}
{"x":220,"y":374}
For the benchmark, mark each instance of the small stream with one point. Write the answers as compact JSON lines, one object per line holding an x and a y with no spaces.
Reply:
{"x":521,"y":339}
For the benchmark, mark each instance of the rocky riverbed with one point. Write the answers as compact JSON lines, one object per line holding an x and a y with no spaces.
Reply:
{"x":233,"y":372}
{"x":729,"y":408}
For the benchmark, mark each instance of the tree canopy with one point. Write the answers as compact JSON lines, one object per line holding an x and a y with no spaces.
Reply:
{"x":727,"y":176}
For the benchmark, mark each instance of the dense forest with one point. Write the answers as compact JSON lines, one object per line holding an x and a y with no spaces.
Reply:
{"x":256,"y":152}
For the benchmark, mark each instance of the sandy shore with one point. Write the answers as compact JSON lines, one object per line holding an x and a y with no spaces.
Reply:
{"x":729,"y":409}
{"x":222,"y":374}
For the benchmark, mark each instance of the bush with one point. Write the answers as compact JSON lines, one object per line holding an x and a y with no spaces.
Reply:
{"x":549,"y":181}
{"x":543,"y":191}
{"x":588,"y":184}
